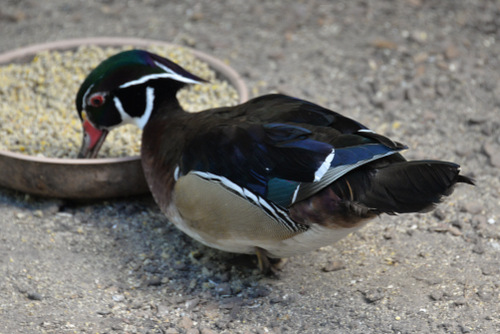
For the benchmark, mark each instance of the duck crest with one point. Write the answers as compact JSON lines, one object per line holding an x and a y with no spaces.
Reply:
{"x":131,"y":68}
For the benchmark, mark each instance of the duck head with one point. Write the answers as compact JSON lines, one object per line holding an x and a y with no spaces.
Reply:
{"x":124,"y":89}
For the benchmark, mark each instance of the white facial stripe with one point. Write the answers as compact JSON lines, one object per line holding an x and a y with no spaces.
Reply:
{"x":87,"y":92}
{"x":169,"y":75}
{"x":145,"y":79}
{"x":324,"y":166}
{"x":365,"y":130}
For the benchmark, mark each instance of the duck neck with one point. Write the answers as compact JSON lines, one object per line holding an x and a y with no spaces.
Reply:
{"x":158,"y":160}
{"x":165,"y":100}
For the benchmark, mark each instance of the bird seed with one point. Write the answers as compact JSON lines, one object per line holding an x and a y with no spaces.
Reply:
{"x":37,"y":110}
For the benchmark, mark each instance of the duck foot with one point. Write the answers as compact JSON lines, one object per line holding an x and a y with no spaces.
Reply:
{"x":268,"y":266}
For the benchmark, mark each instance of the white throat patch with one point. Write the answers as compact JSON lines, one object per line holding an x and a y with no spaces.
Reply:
{"x":141,"y":121}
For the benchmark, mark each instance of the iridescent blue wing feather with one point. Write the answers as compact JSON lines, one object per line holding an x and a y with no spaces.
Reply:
{"x":256,"y":156}
{"x":280,"y":162}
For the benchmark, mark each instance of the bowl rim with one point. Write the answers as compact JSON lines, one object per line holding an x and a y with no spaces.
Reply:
{"x":67,"y":161}
{"x":215,"y":63}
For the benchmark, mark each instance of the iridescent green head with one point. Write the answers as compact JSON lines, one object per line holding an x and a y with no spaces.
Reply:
{"x":121,"y":90}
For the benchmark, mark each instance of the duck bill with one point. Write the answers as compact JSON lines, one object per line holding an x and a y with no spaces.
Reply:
{"x":93,"y":139}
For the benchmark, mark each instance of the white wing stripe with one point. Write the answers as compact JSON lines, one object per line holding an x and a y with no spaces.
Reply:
{"x":325,"y":166}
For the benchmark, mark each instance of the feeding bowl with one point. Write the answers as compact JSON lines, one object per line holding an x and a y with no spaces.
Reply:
{"x":88,"y":178}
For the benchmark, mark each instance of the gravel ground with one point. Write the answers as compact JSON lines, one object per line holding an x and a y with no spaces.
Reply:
{"x":423,"y":72}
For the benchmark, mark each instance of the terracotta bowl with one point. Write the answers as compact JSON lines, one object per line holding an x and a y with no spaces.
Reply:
{"x":95,"y":178}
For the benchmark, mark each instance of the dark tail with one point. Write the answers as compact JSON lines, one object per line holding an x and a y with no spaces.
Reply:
{"x":407,"y":186}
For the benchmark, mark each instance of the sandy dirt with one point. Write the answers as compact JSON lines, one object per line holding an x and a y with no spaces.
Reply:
{"x":423,"y":72}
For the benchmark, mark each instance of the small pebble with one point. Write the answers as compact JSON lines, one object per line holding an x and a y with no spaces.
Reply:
{"x":473,"y":207}
{"x":397,"y":94}
{"x":389,"y":234}
{"x":34,"y":296}
{"x":426,"y":276}
{"x":162,"y":310}
{"x":223,"y":289}
{"x":465,"y":329}
{"x":492,"y":150}
{"x":154,"y":281}
{"x":236,"y":286}
{"x":230,"y":303}
{"x":419,"y":36}
{"x":439,"y":214}
{"x":441,"y":227}
{"x":186,"y":323}
{"x":333,"y":265}
{"x":283,"y":299}
{"x":207,"y":331}
{"x":379,"y":100}
{"x":490,"y":128}
{"x":420,"y":57}
{"x":457,"y":223}
{"x":489,"y":84}
{"x":192,"y":303}
{"x":478,"y":248}
{"x":485,"y":296}
{"x":276,"y":300}
{"x":117,"y":328}
{"x":289,"y":299}
{"x":495,"y":245}
{"x":486,"y":230}
{"x":373,"y":295}
{"x":489,"y":269}
{"x":454,"y":231}
{"x":436,"y":295}
{"x":118,"y":298}
{"x":460,"y":301}
{"x":478,"y":221}
{"x":259,"y":291}
{"x":443,"y":86}
{"x":451,"y":52}
{"x":38,"y":213}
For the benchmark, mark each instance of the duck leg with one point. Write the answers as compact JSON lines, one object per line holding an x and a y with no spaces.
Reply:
{"x":268,"y":266}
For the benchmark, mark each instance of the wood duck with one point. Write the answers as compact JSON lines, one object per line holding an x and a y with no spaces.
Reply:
{"x":275,"y":176}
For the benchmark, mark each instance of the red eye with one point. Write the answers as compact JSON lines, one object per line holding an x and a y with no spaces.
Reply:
{"x":96,"y":100}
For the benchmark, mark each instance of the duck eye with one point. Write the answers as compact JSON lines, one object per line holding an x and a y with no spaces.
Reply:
{"x":96,"y":100}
